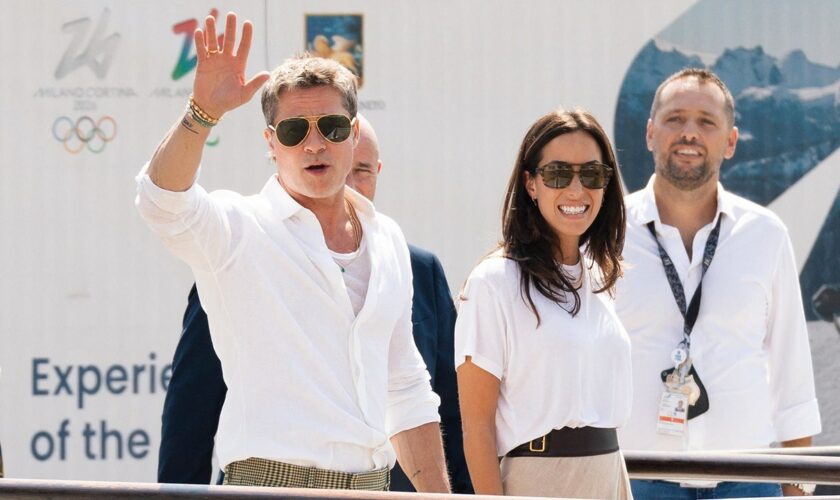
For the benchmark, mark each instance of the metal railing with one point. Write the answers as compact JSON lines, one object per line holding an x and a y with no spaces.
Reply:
{"x":820,"y":465}
{"x":28,"y":489}
{"x":764,"y":466}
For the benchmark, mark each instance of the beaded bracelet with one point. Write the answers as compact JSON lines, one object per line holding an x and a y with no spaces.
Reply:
{"x":200,"y":120}
{"x":200,"y":116}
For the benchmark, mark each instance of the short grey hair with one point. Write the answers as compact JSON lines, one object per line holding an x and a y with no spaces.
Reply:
{"x":306,"y":71}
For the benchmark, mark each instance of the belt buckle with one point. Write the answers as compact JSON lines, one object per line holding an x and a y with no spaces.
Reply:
{"x":541,"y":449}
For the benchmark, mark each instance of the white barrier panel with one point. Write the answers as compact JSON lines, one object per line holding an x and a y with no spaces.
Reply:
{"x":91,"y":301}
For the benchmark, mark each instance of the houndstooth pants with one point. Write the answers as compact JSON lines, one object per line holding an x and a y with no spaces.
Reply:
{"x":263,"y":472}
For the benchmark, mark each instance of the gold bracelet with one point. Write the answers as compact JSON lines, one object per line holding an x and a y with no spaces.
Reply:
{"x":197,"y":111}
{"x":200,"y":113}
{"x":199,"y":120}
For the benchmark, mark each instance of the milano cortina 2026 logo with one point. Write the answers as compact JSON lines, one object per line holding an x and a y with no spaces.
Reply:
{"x":97,"y":55}
{"x":186,"y":63}
{"x":84,"y":132}
{"x":92,"y":48}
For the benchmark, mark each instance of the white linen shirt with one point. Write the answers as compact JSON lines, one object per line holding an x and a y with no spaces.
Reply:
{"x":749,"y":345}
{"x":568,"y":372}
{"x":309,"y":382}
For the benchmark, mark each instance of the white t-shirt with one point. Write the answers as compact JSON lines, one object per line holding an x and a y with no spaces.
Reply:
{"x":568,"y":372}
{"x":355,"y":270}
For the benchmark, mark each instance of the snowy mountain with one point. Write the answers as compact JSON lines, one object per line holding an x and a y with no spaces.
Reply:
{"x":742,"y":68}
{"x":799,"y":72}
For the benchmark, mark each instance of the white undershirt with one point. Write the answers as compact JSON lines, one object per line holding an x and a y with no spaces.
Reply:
{"x":355,"y":270}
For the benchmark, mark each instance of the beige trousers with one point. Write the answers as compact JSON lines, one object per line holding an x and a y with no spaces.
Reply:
{"x":601,"y":476}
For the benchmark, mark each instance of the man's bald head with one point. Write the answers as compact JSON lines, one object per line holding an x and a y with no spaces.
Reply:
{"x":366,"y":163}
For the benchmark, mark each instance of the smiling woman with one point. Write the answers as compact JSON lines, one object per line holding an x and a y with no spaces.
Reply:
{"x":574,"y":205}
{"x":565,"y":203}
{"x":536,"y":325}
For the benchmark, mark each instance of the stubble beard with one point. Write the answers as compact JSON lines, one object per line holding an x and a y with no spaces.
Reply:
{"x":682,"y":178}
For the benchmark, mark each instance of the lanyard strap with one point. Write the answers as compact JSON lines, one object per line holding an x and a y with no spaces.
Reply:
{"x":689,"y":313}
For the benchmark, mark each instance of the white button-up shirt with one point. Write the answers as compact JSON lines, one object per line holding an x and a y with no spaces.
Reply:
{"x":749,"y":345}
{"x":309,"y":382}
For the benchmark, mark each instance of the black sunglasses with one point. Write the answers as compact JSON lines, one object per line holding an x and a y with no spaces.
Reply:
{"x":559,"y":174}
{"x":292,"y":131}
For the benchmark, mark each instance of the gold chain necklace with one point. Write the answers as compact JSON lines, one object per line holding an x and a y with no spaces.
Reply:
{"x":356,"y":227}
{"x":578,"y":282}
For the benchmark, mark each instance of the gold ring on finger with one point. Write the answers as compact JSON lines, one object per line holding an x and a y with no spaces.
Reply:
{"x":214,"y":51}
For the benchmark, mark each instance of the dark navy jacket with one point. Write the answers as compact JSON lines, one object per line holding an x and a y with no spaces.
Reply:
{"x":197,"y":391}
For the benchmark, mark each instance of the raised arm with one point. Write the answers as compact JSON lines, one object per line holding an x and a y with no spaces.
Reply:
{"x":219,"y":87}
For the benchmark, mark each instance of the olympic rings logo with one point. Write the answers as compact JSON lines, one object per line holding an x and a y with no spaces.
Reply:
{"x":84,"y":132}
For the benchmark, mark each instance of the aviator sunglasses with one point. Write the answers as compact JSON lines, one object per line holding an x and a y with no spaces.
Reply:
{"x":559,"y":174}
{"x":293,"y":131}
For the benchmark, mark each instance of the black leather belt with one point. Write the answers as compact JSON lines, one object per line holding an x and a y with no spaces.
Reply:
{"x":568,"y":442}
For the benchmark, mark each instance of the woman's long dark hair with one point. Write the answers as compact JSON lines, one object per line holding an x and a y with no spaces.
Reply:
{"x":530,"y":241}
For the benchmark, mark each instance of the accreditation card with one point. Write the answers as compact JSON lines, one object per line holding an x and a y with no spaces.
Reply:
{"x":673,"y":413}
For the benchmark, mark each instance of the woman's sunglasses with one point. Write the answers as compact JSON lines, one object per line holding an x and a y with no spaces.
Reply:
{"x":292,"y":131}
{"x":559,"y":174}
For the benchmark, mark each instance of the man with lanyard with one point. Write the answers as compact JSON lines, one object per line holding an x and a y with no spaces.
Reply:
{"x":306,"y":287}
{"x":711,"y":301}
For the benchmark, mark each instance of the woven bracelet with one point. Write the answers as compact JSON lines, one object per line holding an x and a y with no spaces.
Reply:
{"x":201,"y":116}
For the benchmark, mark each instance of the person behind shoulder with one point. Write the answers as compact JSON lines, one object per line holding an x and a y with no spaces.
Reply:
{"x":197,"y":390}
{"x":741,"y":361}
{"x":307,"y":288}
{"x":543,"y":361}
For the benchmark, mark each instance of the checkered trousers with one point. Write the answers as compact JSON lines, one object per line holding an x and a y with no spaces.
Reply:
{"x":262,"y":472}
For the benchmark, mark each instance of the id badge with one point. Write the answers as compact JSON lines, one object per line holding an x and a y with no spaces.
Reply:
{"x":684,"y":380}
{"x":673,"y":413}
{"x":688,"y":386}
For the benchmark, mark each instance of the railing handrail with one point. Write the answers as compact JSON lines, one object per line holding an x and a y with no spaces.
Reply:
{"x":27,"y":489}
{"x":811,"y":451}
{"x":718,"y":466}
{"x":732,"y":466}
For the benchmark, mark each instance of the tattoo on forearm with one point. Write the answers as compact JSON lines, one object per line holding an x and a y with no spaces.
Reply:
{"x":188,"y":125}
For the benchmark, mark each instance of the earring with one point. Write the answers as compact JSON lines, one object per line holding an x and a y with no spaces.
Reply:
{"x":535,"y":201}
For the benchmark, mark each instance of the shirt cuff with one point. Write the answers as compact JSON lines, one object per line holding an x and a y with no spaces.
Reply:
{"x":802,"y":420}
{"x":482,"y":362}
{"x":173,"y":202}
{"x":409,"y":413}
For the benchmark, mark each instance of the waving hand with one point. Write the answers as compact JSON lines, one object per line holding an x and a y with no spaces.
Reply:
{"x":219,"y":87}
{"x":220,"y":84}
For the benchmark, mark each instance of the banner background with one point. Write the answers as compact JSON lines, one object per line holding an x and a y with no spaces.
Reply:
{"x":86,"y":288}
